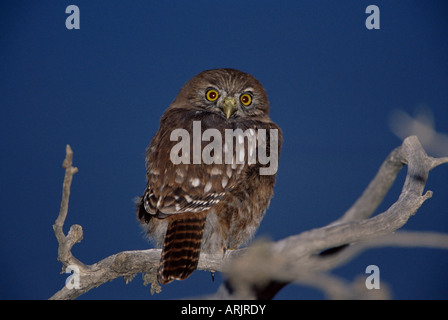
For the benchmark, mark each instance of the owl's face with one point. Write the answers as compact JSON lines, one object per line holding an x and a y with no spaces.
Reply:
{"x":229,"y":93}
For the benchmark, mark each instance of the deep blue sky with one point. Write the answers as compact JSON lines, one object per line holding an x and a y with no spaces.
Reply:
{"x":332,"y":85}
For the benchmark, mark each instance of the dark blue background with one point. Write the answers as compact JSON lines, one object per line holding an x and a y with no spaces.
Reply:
{"x":332,"y":85}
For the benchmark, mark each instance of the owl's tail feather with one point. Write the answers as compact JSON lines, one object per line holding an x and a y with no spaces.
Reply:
{"x":180,"y":252}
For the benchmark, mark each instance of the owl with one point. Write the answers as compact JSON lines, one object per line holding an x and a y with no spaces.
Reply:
{"x":211,"y":170}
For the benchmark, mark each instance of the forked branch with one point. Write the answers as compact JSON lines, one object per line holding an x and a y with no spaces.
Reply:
{"x":293,"y":259}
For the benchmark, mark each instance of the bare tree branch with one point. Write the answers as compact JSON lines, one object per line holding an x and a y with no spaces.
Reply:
{"x":293,"y":259}
{"x":75,"y":234}
{"x":421,"y":125}
{"x":301,"y":251}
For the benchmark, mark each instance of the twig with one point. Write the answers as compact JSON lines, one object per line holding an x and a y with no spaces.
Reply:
{"x":75,"y":233}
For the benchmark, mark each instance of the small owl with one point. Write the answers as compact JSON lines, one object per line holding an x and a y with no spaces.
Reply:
{"x":210,"y":169}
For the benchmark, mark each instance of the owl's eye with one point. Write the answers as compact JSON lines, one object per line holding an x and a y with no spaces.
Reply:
{"x":246,"y":99}
{"x":211,"y":95}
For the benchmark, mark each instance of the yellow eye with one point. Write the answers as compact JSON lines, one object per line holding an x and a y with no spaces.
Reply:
{"x":246,"y":99}
{"x":211,"y":95}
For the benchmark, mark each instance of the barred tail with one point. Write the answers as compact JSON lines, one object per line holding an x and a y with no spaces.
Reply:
{"x":180,"y":253}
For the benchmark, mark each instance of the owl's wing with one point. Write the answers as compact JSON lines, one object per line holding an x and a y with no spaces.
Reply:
{"x":187,"y":188}
{"x":177,"y":188}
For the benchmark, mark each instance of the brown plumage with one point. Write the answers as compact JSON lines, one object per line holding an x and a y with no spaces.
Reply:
{"x":215,"y":198}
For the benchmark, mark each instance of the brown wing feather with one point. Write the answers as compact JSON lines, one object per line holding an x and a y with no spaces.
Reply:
{"x":179,"y":188}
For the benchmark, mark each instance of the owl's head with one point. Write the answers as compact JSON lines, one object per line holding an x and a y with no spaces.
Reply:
{"x":228,"y":92}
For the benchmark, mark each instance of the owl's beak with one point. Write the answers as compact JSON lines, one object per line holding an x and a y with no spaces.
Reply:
{"x":229,"y":106}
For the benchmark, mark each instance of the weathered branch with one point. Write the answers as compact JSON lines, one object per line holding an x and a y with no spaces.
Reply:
{"x":297,"y":256}
{"x":75,"y":233}
{"x":354,"y":225}
{"x":294,"y":259}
